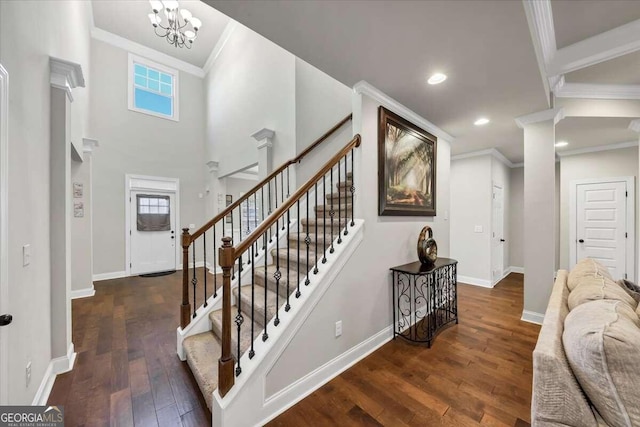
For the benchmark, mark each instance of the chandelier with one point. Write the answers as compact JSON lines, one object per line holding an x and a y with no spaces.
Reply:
{"x":179,"y":27}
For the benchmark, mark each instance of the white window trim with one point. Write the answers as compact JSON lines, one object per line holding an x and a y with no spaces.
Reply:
{"x":176,"y":98}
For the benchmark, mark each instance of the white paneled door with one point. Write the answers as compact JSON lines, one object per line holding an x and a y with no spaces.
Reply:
{"x":497,"y":234}
{"x":601,"y":225}
{"x":153,"y":232}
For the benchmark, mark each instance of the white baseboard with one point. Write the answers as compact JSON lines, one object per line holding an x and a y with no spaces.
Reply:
{"x":83,"y":293}
{"x":57,"y":366}
{"x":109,"y":276}
{"x":474,"y":281}
{"x":513,"y":269}
{"x":532,"y":317}
{"x":306,"y":385}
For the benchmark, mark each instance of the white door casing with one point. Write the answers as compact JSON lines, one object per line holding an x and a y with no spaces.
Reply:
{"x":140,"y":184}
{"x":497,"y":234}
{"x":4,"y":264}
{"x":602,"y":224}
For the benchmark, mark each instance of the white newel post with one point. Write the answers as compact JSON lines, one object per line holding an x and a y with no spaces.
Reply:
{"x":539,"y":210}
{"x":265,"y":152}
{"x":635,"y":126}
{"x":65,"y":76}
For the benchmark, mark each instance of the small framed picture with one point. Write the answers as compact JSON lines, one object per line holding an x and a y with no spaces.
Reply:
{"x":229,"y":201}
{"x":78,"y":190}
{"x":78,"y":209}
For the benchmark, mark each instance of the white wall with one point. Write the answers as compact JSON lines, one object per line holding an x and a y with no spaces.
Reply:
{"x":603,"y":164}
{"x":321,"y":102}
{"x":516,"y":218}
{"x":137,"y":143}
{"x":361,"y":294}
{"x":81,"y":231}
{"x":471,"y":207}
{"x":250,"y":86}
{"x":30,"y":32}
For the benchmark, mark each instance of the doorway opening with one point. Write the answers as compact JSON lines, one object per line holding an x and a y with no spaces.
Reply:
{"x":497,"y":234}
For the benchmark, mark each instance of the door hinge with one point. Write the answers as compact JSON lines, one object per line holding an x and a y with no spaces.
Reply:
{"x":625,"y":275}
{"x":129,"y":232}
{"x":129,"y":199}
{"x":626,"y":194}
{"x":130,"y":265}
{"x":626,"y":235}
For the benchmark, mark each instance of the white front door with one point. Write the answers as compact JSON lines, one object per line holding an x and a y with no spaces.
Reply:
{"x":601,"y":221}
{"x":497,"y":234}
{"x":153,"y":232}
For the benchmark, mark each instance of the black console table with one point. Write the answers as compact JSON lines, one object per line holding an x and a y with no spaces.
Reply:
{"x":425,"y":299}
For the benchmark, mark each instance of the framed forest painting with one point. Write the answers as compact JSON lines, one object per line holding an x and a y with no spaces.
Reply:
{"x":406,"y":167}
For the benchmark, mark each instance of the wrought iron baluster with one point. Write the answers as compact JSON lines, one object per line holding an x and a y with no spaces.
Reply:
{"x":352,"y":189}
{"x":240,"y":231}
{"x":288,"y":306}
{"x":288,"y":191}
{"x":264,"y":248}
{"x":265,"y":335}
{"x":324,"y":220}
{"x":215,"y":264}
{"x":269,"y":195}
{"x":298,"y":249}
{"x":204,"y":246}
{"x":331,"y":214}
{"x":340,"y":190}
{"x":239,"y":320}
{"x":277,"y":275}
{"x":253,"y":305}
{"x":233,"y":242}
{"x":315,"y":268}
{"x":282,"y":191}
{"x":194,"y":280}
{"x":339,"y":204}
{"x":307,"y":241}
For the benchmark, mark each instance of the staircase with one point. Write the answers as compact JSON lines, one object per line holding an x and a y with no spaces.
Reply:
{"x":275,"y":283}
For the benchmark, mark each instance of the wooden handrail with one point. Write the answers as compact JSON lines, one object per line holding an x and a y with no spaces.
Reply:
{"x":200,"y":231}
{"x":245,"y":244}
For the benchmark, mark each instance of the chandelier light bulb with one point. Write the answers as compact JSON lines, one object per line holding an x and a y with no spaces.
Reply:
{"x":156,"y":5}
{"x":186,"y":15}
{"x":195,"y":22}
{"x":190,"y":35}
{"x":170,"y":5}
{"x":155,"y":19}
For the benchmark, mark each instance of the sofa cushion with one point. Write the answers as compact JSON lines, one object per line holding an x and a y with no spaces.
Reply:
{"x":586,"y":268}
{"x":557,"y":397}
{"x":602,"y":343}
{"x":599,"y":288}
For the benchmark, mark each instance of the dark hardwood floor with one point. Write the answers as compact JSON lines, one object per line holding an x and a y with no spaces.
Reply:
{"x":127,"y":372}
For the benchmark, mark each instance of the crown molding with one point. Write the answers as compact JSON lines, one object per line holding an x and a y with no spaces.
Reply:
{"x":65,"y":75}
{"x":599,"y":48}
{"x":555,"y":114}
{"x":88,"y":145}
{"x":598,"y":91}
{"x":244,"y":175}
{"x":263,"y":134}
{"x":540,"y":19}
{"x":213,"y":166}
{"x":364,"y":88}
{"x":147,"y":52}
{"x":220,"y":44}
{"x":493,"y":152}
{"x":597,"y":148}
{"x":635,"y":125}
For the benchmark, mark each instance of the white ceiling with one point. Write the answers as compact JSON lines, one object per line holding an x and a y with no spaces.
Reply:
{"x":129,"y":19}
{"x":576,"y":20}
{"x":622,"y":70}
{"x":584,"y":132}
{"x":483,"y":46}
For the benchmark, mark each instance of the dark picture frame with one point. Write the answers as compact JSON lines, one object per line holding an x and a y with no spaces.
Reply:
{"x":406,"y":167}
{"x":228,"y":201}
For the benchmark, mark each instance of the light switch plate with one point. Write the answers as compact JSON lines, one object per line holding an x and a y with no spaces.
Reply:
{"x":26,"y":255}
{"x":477,"y":229}
{"x":338,"y":328}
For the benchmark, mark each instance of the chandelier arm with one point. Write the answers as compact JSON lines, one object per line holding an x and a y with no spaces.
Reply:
{"x":155,"y":29}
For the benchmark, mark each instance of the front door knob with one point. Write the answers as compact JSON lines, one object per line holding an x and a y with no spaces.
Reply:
{"x":5,"y":319}
{"x":581,"y":240}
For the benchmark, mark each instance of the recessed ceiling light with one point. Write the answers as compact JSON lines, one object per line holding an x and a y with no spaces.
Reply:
{"x":562,"y":144}
{"x":481,"y":121}
{"x":437,"y":78}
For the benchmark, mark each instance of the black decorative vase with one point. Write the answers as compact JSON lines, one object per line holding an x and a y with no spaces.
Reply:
{"x":427,"y":247}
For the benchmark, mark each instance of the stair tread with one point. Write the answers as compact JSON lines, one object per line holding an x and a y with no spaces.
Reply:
{"x":259,"y":304}
{"x":299,"y":237}
{"x":245,"y":330}
{"x":203,"y":351}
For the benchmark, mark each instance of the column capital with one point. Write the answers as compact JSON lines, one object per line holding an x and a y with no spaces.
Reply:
{"x":213,"y":166}
{"x":89,"y":144}
{"x":65,"y":75}
{"x":635,"y":125}
{"x":555,"y":114}
{"x":264,"y":137}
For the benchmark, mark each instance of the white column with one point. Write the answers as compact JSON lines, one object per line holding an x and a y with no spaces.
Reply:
{"x":265,"y":151}
{"x":539,"y":210}
{"x":635,"y":126}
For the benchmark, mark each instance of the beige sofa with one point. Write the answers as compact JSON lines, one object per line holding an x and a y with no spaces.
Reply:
{"x":586,"y":364}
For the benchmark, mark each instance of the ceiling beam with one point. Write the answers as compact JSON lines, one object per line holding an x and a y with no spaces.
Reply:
{"x":597,"y":91}
{"x":543,"y":36}
{"x":599,"y":48}
{"x":599,"y":107}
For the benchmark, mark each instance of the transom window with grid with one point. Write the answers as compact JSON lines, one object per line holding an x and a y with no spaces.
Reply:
{"x":152,"y":88}
{"x":153,"y":205}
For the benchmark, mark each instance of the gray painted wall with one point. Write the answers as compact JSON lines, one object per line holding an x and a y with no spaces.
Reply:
{"x":81,"y":232}
{"x":361,"y":294}
{"x":59,"y":29}
{"x":516,"y":218}
{"x":137,"y":143}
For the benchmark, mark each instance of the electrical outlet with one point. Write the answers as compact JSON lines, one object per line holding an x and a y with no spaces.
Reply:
{"x":28,"y":373}
{"x":338,"y":328}
{"x":26,"y":255}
